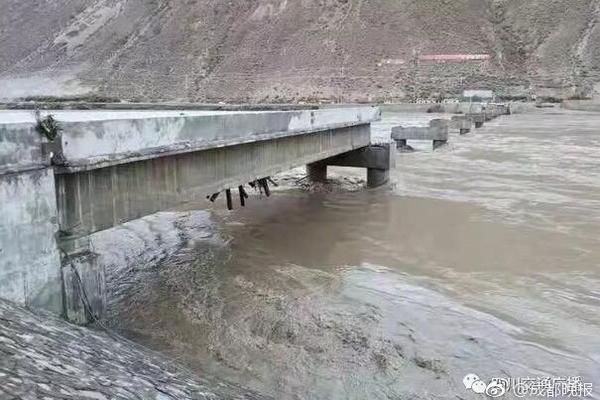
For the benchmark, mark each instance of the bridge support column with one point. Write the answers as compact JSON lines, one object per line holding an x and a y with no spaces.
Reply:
{"x":377,"y":177}
{"x":317,"y":172}
{"x":377,"y":159}
{"x":84,"y":281}
{"x":477,"y":118}
{"x":437,"y":132}
{"x":462,"y":123}
{"x":439,"y":143}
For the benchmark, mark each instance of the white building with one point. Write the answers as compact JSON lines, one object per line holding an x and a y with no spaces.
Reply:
{"x":484,"y":95}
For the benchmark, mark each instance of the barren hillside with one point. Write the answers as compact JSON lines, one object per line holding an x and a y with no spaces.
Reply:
{"x":292,"y":50}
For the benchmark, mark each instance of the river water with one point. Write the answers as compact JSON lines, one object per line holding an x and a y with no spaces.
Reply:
{"x":482,"y":257}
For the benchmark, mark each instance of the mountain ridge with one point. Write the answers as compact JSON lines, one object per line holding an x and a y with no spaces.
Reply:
{"x":298,"y":50}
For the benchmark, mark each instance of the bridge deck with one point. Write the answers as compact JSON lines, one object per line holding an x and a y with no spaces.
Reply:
{"x":114,"y":166}
{"x":98,"y":139}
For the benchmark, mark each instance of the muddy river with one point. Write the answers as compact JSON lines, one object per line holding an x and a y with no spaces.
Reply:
{"x":482,"y":257}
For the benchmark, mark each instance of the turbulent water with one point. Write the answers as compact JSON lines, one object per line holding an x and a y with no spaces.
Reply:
{"x":482,"y":257}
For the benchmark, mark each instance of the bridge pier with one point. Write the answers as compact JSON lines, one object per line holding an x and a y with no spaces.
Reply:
{"x":477,"y":118}
{"x":377,"y":177}
{"x":377,"y":159}
{"x":462,"y":123}
{"x":317,"y":172}
{"x":439,"y":143}
{"x":84,"y":281}
{"x":437,"y":132}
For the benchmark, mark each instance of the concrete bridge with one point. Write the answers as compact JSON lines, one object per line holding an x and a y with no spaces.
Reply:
{"x":437,"y":131}
{"x":108,"y":167}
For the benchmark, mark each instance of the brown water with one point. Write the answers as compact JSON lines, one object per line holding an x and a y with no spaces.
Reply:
{"x":482,"y":257}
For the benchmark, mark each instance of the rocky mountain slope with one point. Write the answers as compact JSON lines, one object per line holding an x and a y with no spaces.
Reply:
{"x":293,"y":50}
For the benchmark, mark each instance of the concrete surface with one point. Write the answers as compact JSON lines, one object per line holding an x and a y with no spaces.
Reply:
{"x":377,"y":159}
{"x":451,"y":108}
{"x":96,"y":139}
{"x":21,"y":148}
{"x":98,"y":199}
{"x":29,"y":258}
{"x":44,"y":357}
{"x":477,"y":118}
{"x":110,"y":167}
{"x":437,"y":130}
{"x":461,"y":123}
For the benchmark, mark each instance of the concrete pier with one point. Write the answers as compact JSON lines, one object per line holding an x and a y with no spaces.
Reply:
{"x":108,"y":167}
{"x":377,"y":159}
{"x":478,"y":119}
{"x":317,"y":172}
{"x":461,"y":123}
{"x":437,"y":132}
{"x":493,"y":110}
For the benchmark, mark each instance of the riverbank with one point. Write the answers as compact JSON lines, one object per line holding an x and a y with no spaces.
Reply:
{"x":42,"y":356}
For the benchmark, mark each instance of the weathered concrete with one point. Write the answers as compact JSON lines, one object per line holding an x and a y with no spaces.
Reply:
{"x":111,"y":167}
{"x":317,"y":171}
{"x":98,"y":139}
{"x":84,"y":280}
{"x":377,"y":159}
{"x":91,"y":200}
{"x":437,"y":132}
{"x":487,"y":113}
{"x":478,"y":119}
{"x":97,"y":199}
{"x":21,"y":148}
{"x":44,"y":357}
{"x":462,"y":123}
{"x":493,"y":110}
{"x":501,"y":109}
{"x":29,"y":260}
{"x":453,"y":108}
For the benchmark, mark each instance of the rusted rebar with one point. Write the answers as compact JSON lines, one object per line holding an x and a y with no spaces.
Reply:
{"x":229,"y":200}
{"x":243,"y":196}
